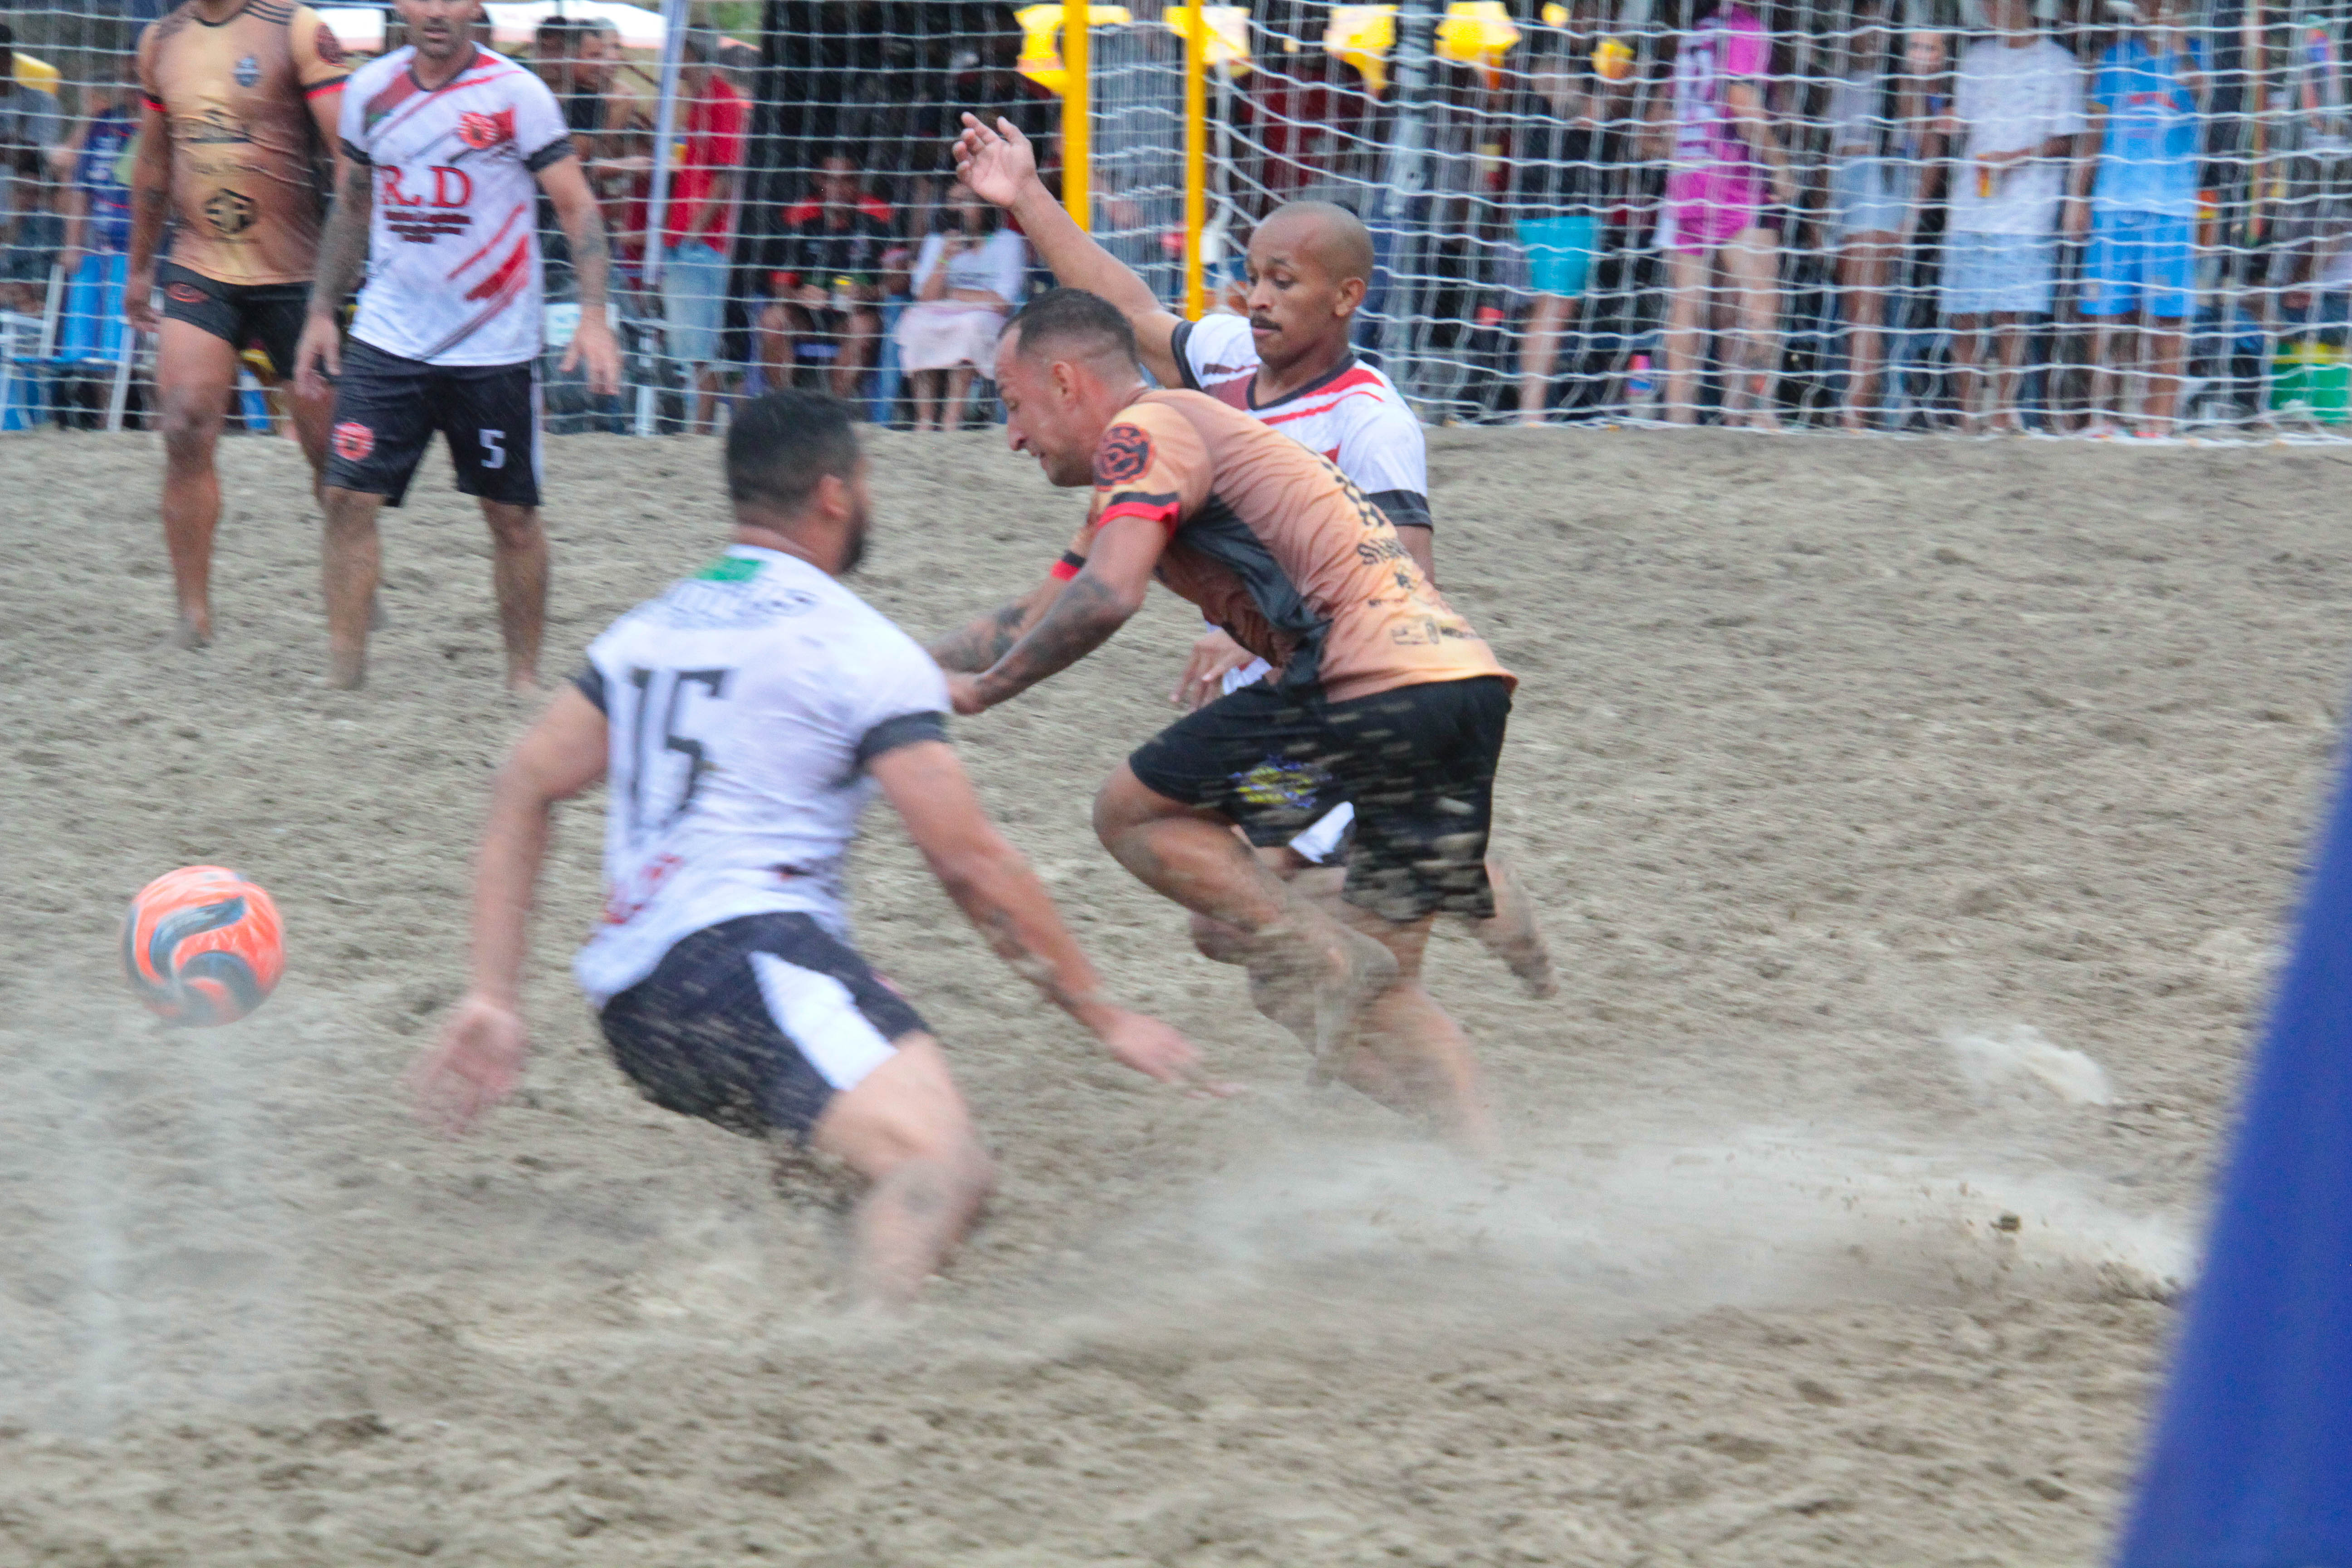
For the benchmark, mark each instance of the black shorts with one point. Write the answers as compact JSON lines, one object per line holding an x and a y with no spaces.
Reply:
{"x":387,"y":408}
{"x":1418,"y":763}
{"x":756,"y":1024}
{"x":266,"y":316}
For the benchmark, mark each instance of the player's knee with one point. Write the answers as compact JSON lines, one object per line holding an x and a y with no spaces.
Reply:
{"x":1123,"y":805}
{"x":1218,"y":942}
{"x":512,"y":527}
{"x":189,"y":425}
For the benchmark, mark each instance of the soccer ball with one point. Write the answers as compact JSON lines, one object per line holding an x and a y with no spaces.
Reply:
{"x":203,"y":945}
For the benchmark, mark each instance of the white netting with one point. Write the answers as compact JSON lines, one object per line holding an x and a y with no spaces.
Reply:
{"x":1576,"y":217}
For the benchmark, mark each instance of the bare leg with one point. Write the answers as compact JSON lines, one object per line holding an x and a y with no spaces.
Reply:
{"x":1688,"y":272}
{"x":1751,"y":264}
{"x":1512,"y":932}
{"x":860,"y":330}
{"x":959,"y":396}
{"x":354,"y":558}
{"x":1862,"y":267}
{"x":1299,"y":956}
{"x":2106,"y":403}
{"x":1538,"y":351}
{"x":194,"y":374}
{"x":2163,"y":347}
{"x":774,"y":334}
{"x":905,"y":1129}
{"x":927,"y":399}
{"x":2009,"y":355}
{"x":1413,"y":1058}
{"x":519,"y":571}
{"x":1968,"y":351}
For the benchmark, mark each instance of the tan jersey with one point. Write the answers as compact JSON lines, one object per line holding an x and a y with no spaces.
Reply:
{"x":236,"y":96}
{"x":1280,"y":548}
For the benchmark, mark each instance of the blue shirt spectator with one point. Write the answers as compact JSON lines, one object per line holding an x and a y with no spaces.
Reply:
{"x":2148,"y":157}
{"x":101,"y":171}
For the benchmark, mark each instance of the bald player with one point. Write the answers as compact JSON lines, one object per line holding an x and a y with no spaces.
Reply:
{"x":241,"y":98}
{"x":1290,"y":364}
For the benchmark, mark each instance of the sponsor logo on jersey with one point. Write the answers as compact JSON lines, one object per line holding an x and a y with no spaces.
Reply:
{"x":230,"y":212}
{"x":437,"y":205}
{"x":215,"y":127}
{"x":353,"y":441}
{"x":484,"y":132}
{"x":1125,"y":453}
{"x":247,"y":72}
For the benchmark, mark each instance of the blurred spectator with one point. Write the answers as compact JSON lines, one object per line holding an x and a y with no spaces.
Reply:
{"x":2140,"y":279}
{"x":698,"y":226}
{"x":834,"y":253}
{"x":1878,"y":125}
{"x":30,"y":236}
{"x":968,"y":277}
{"x":30,"y":137}
{"x":98,"y":202}
{"x":1560,"y":162}
{"x":1716,"y":232}
{"x":2016,"y":110}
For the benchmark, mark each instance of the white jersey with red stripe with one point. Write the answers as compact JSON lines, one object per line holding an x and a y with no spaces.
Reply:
{"x":453,"y":258}
{"x":1355,"y":416}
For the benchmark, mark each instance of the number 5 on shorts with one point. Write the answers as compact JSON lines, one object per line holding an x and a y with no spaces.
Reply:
{"x":494,"y":454}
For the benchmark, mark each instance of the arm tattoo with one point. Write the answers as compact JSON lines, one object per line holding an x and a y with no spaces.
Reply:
{"x":984,"y":642}
{"x":1080,"y":620}
{"x":343,"y":248}
{"x":590,"y":259}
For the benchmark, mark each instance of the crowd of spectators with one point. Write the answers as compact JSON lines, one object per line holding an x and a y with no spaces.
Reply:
{"x":1883,"y":214}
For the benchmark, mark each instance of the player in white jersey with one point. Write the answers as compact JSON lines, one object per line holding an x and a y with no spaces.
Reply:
{"x":1291,"y":363}
{"x":446,"y":148}
{"x":744,"y":718}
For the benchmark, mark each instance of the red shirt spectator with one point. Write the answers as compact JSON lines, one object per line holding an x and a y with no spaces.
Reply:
{"x":709,"y":150}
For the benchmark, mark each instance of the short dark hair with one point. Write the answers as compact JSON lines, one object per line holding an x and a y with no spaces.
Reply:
{"x":1073,"y":320}
{"x":780,"y":445}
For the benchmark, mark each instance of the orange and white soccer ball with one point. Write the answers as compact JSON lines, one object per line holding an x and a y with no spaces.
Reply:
{"x":203,"y":945}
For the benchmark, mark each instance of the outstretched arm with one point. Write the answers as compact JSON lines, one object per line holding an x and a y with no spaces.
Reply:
{"x":1095,"y":604}
{"x":1000,"y":166}
{"x":992,"y":636}
{"x":478,"y":1058}
{"x":996,"y":890}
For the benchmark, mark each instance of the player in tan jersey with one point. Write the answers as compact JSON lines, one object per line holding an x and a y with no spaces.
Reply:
{"x":1381,"y":687}
{"x":241,"y":99}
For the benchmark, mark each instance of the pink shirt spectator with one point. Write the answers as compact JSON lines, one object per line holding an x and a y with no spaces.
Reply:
{"x":1718,"y":183}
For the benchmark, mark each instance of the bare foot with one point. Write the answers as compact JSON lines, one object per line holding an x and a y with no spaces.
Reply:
{"x":1513,"y":933}
{"x":195,"y":630}
{"x":346,"y":671}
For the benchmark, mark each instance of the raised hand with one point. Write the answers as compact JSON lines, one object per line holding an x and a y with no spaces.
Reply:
{"x":997,"y":164}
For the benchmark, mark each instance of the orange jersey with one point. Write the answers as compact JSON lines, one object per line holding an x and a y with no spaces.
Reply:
{"x":237,"y":97}
{"x":1280,"y":548}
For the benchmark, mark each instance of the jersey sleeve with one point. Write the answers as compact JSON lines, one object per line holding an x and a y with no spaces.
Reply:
{"x":1218,"y":343}
{"x":539,"y":130}
{"x":1151,"y":463}
{"x":1384,"y":451}
{"x":151,"y":90}
{"x":903,"y":700}
{"x":351,"y":125}
{"x":320,"y":63}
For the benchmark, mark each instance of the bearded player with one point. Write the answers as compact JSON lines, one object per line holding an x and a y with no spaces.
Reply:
{"x":744,"y":720}
{"x":240,"y":100}
{"x":446,"y":148}
{"x":1290,"y":363}
{"x":1380,"y":688}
